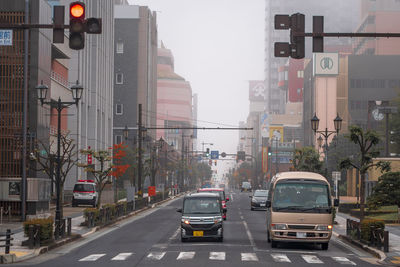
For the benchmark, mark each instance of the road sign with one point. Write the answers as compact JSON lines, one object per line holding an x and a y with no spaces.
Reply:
{"x":151,"y":191}
{"x":6,"y":37}
{"x":336,"y":176}
{"x":214,"y":154}
{"x":223,"y":154}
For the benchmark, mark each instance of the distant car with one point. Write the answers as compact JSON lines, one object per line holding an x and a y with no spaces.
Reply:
{"x":84,"y":193}
{"x":246,"y":186}
{"x":221,"y":193}
{"x":201,"y":217}
{"x":259,"y":199}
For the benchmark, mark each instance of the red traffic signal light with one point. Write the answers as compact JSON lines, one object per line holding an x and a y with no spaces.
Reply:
{"x":76,"y":25}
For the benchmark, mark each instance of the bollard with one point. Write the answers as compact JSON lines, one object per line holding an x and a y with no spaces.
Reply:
{"x":69,"y":226}
{"x":8,"y":241}
{"x":62,"y":228}
{"x":31,"y":235}
{"x":385,"y":241}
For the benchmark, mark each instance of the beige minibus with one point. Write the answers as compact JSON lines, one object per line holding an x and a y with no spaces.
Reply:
{"x":300,"y":209}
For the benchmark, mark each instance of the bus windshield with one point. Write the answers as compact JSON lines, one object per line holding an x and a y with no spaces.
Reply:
{"x":301,"y":197}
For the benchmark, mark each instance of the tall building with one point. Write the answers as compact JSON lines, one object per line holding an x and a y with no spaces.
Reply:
{"x":11,"y":106}
{"x":174,"y":103}
{"x":339,"y":16}
{"x":378,"y":16}
{"x":135,"y":71}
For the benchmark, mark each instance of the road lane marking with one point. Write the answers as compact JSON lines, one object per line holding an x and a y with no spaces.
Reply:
{"x":93,"y":257}
{"x":248,"y":233}
{"x":186,"y":255}
{"x":231,"y":197}
{"x":219,"y":256}
{"x":156,"y":255}
{"x":249,"y":257}
{"x":241,"y":217}
{"x":175,"y":234}
{"x":280,"y":258}
{"x":311,"y":259}
{"x":122,"y":256}
{"x":343,"y":260}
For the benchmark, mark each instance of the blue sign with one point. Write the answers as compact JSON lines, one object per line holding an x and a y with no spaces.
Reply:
{"x":6,"y":37}
{"x":215,"y":154}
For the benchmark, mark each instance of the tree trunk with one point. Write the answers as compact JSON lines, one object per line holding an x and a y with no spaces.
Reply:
{"x":362,"y":195}
{"x":99,"y":198}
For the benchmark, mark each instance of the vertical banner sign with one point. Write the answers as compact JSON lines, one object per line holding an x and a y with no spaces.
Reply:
{"x":151,"y":191}
{"x":276,"y":133}
{"x":265,"y":159}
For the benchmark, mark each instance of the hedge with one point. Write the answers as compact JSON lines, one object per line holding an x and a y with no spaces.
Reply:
{"x":46,"y":228}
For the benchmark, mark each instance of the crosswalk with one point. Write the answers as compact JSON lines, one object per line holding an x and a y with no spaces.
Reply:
{"x":221,"y":256}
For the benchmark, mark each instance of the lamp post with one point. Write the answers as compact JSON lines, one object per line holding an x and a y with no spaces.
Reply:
{"x":325,"y":133}
{"x":76,"y":90}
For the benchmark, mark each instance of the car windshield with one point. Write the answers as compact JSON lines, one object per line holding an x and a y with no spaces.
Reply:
{"x":220,"y":193}
{"x":307,"y":197}
{"x":83,"y":187}
{"x":261,"y":193}
{"x":201,"y":206}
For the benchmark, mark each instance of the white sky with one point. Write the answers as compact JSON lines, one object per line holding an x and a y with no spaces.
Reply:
{"x":218,"y":46}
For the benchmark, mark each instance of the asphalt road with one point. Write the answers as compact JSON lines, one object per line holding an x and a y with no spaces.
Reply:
{"x":152,"y":239}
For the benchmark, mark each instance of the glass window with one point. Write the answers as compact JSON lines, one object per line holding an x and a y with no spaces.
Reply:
{"x":202,"y":206}
{"x":118,"y":139}
{"x":84,"y":188}
{"x":120,"y":47}
{"x":119,"y":109}
{"x":119,"y":78}
{"x":301,"y":197}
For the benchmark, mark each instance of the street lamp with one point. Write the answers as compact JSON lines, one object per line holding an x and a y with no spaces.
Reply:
{"x":76,"y":90}
{"x":315,"y":124}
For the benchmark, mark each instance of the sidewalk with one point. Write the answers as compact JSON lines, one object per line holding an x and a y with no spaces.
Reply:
{"x":393,"y":256}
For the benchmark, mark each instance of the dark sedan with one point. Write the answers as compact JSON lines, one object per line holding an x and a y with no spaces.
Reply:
{"x":258,"y":199}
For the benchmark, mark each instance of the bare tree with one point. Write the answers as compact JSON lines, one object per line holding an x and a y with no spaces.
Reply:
{"x":47,"y":161}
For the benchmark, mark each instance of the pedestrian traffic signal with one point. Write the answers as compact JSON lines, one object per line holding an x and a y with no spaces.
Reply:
{"x":58,"y":21}
{"x":241,"y":155}
{"x":215,"y":163}
{"x":76,"y":25}
{"x":210,"y":162}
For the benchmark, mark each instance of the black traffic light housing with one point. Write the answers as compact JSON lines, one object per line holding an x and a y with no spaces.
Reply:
{"x":58,"y":21}
{"x":296,"y":24}
{"x":77,"y":25}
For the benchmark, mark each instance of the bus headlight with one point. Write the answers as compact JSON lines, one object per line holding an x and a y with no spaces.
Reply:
{"x":217,"y":219}
{"x":324,"y":227}
{"x":279,"y":226}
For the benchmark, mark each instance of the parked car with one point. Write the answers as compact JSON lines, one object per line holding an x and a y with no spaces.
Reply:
{"x":221,"y":193}
{"x":202,"y":217}
{"x":258,"y":199}
{"x":246,"y":187}
{"x":84,"y":193}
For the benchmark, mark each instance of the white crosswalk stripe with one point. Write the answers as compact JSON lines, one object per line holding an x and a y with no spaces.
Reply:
{"x":156,"y":255}
{"x":93,"y":257}
{"x":280,"y":258}
{"x":343,"y":260}
{"x":186,"y":255}
{"x":311,"y":259}
{"x":249,"y":257}
{"x":220,"y":256}
{"x":122,"y":256}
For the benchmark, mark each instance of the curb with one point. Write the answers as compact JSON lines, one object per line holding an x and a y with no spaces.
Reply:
{"x":75,"y":237}
{"x":375,"y":252}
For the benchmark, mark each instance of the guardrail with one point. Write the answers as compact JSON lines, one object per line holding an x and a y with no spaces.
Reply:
{"x":378,"y":237}
{"x":7,"y":240}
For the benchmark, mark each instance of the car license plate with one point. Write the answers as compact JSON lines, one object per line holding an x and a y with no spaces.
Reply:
{"x":262,"y":205}
{"x":197,"y":233}
{"x":301,"y":235}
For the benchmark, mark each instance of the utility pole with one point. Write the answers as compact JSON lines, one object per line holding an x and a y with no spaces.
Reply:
{"x":140,"y":137}
{"x":276,"y":156}
{"x":182,"y":163}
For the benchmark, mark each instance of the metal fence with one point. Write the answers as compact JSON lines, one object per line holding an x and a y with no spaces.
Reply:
{"x":109,"y":213}
{"x":6,"y":238}
{"x":378,"y":237}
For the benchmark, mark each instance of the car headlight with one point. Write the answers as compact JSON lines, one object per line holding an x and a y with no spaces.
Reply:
{"x":279,"y":226}
{"x":185,"y":220}
{"x":324,"y":227}
{"x":217,"y":219}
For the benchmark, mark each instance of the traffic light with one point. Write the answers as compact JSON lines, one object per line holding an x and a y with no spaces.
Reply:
{"x":77,"y":25}
{"x":210,"y":162}
{"x":297,"y":45}
{"x":296,"y":24}
{"x":318,"y":27}
{"x":215,"y":163}
{"x":241,"y":155}
{"x":58,"y":20}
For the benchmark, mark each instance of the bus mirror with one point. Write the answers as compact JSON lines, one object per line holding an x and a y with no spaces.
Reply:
{"x":179,"y":210}
{"x":336,"y":202}
{"x":268,"y":204}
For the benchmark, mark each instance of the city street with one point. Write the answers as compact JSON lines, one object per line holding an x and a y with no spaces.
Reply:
{"x":152,"y":239}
